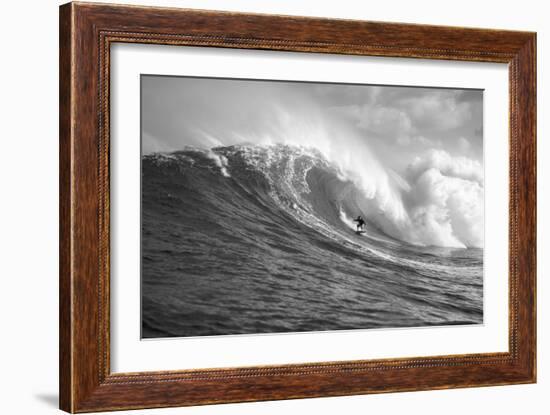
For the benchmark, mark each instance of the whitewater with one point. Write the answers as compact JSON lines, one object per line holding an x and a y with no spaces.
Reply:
{"x":259,"y":238}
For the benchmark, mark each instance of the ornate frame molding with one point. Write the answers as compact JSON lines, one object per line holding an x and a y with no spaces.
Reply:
{"x":86,"y":33}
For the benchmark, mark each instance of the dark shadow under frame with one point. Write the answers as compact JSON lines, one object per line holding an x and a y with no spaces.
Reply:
{"x":86,"y":33}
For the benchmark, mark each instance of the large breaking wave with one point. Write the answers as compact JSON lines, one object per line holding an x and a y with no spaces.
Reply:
{"x":438,"y":202}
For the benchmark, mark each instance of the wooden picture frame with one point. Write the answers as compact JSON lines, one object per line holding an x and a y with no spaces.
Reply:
{"x":86,"y":33}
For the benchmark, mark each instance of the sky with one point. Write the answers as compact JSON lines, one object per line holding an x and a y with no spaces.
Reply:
{"x":397,"y":123}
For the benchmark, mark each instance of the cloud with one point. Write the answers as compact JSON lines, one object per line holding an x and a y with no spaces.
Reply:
{"x":384,"y":121}
{"x":380,"y":121}
{"x":412,"y":116}
{"x":437,"y":111}
{"x":459,"y":167}
{"x":463,"y":144}
{"x":418,"y":140}
{"x":445,"y":202}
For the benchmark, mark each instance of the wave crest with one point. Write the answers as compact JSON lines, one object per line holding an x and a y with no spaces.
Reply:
{"x":439,"y":202}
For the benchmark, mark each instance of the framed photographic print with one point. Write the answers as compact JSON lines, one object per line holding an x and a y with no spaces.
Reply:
{"x":258,"y":207}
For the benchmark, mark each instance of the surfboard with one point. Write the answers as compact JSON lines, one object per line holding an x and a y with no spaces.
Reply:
{"x":360,"y":232}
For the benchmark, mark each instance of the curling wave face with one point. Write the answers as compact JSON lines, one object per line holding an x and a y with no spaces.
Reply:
{"x":259,"y":238}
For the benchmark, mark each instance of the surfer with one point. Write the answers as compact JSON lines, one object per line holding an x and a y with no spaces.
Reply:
{"x":360,"y":223}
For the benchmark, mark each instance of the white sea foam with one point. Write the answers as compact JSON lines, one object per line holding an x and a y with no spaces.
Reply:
{"x":220,"y":160}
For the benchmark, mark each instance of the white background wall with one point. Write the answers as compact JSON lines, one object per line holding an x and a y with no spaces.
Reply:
{"x":29,"y":208}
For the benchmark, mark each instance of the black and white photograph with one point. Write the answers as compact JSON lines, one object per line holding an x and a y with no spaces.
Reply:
{"x":272,"y":206}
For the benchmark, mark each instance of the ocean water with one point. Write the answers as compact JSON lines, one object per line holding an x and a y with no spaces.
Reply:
{"x":258,"y":239}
